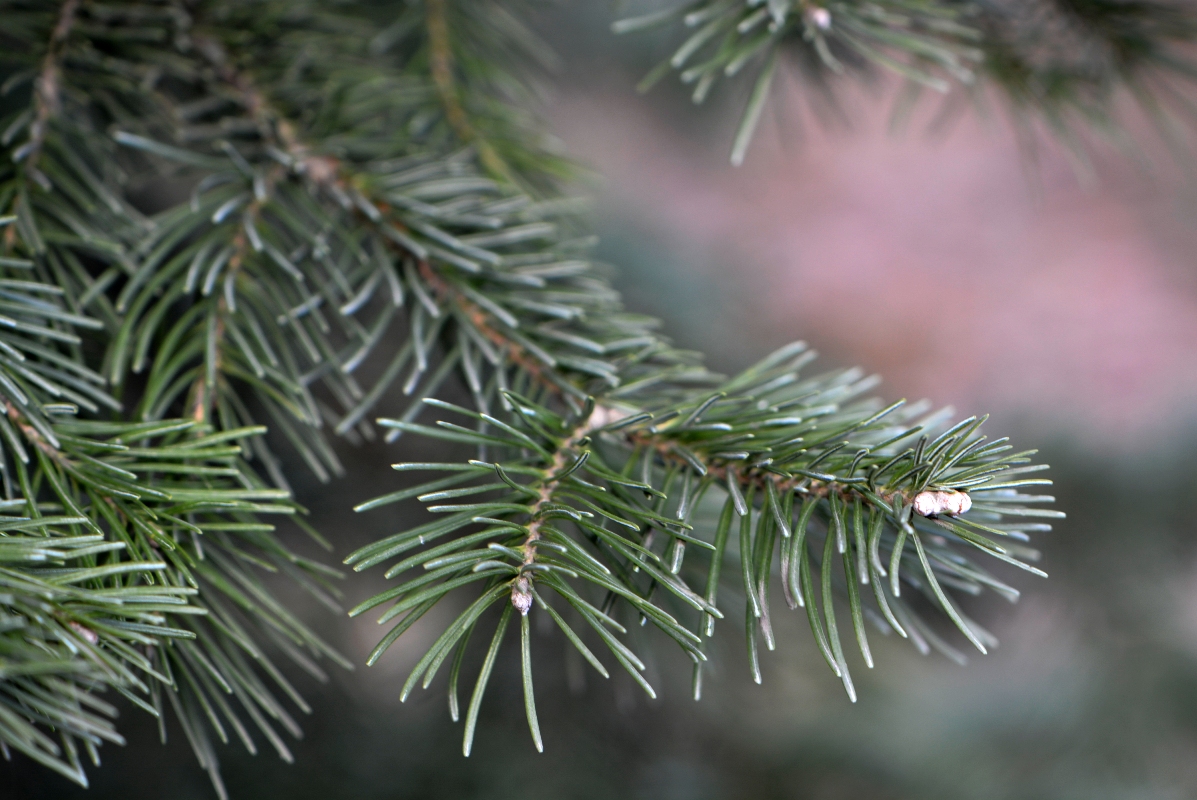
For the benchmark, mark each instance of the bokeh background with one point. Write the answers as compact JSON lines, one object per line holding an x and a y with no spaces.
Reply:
{"x":1062,"y":299}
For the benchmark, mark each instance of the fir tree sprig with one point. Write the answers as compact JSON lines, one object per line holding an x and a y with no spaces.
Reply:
{"x":1060,"y":64}
{"x":596,"y":504}
{"x":157,"y":590}
{"x":355,"y":197}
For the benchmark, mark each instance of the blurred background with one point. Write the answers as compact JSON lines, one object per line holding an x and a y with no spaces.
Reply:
{"x":1060,"y":299}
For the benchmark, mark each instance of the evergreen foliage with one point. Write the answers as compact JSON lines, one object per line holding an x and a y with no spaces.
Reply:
{"x":1065,"y":64}
{"x":366,"y":210}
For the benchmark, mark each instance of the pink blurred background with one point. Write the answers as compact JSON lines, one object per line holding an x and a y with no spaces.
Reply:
{"x":949,"y":263}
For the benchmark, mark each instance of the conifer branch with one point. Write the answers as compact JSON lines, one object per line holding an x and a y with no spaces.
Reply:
{"x":383,"y":196}
{"x":337,"y":176}
{"x":799,"y":444}
{"x":330,"y":174}
{"x":1062,"y":65}
{"x":168,"y":517}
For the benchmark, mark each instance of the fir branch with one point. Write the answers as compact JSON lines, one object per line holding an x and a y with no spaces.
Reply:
{"x":804,"y":451}
{"x":332,"y":174}
{"x":1057,"y":64}
{"x":930,"y":44}
{"x":346,"y":208}
{"x":470,"y":289}
{"x":395,"y":228}
{"x":170,"y":511}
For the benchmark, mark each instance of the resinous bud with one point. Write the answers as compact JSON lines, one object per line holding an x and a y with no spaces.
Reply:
{"x":951,"y":503}
{"x":521,"y":595}
{"x":819,"y":17}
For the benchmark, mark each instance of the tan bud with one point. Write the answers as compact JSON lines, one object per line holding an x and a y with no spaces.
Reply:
{"x":603,"y":416}
{"x":521,"y":594}
{"x":819,"y":17}
{"x":951,"y":503}
{"x":87,"y":633}
{"x":521,"y":600}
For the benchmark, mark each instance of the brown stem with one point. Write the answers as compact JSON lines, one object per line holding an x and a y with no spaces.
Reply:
{"x":747,"y":476}
{"x":201,"y":398}
{"x":203,"y":395}
{"x":483,"y":322}
{"x":46,"y":95}
{"x":440,"y":62}
{"x":521,"y":590}
{"x":273,"y":128}
{"x":31,"y":433}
